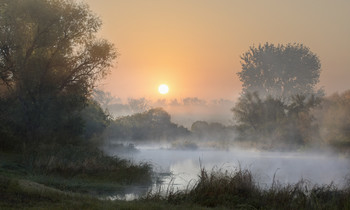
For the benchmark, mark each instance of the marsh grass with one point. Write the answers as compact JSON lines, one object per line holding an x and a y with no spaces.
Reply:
{"x":238,"y":190}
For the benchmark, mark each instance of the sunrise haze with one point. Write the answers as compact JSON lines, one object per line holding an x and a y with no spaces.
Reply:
{"x":194,"y":46}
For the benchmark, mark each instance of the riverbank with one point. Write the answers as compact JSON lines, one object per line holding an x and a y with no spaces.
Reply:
{"x":25,"y":188}
{"x":21,"y":188}
{"x":76,"y":170}
{"x":214,"y":190}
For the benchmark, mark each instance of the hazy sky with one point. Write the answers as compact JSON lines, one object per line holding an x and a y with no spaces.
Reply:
{"x":194,"y":46}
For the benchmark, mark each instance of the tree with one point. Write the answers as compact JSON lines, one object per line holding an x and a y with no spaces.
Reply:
{"x":261,"y":116}
{"x":214,"y":132}
{"x":274,"y":122}
{"x":152,"y":125}
{"x":105,"y":99}
{"x":95,"y":119}
{"x":334,"y":120}
{"x":301,"y":120}
{"x":280,"y":71}
{"x":50,"y":60}
{"x":138,"y":105}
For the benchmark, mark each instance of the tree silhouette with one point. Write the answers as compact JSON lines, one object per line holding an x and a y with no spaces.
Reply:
{"x":152,"y":125}
{"x":50,"y":60}
{"x":280,"y":71}
{"x":274,"y":122}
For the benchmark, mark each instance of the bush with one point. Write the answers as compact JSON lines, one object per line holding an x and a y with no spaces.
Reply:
{"x":152,"y":125}
{"x":72,"y":161}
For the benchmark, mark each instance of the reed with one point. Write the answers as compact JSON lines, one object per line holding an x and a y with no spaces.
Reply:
{"x":238,"y":190}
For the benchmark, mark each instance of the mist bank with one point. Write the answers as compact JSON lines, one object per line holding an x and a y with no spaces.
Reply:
{"x":178,"y":170}
{"x":266,"y":167}
{"x":183,"y":111}
{"x":297,"y":124}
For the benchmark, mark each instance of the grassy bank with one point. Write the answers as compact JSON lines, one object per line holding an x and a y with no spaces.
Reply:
{"x":81,"y":184}
{"x":75,"y":169}
{"x":238,"y":190}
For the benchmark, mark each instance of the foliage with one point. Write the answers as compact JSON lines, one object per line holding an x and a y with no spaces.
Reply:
{"x":279,"y":71}
{"x":214,"y":132}
{"x":190,"y":101}
{"x":138,"y":105}
{"x":334,"y":120}
{"x":81,"y":169}
{"x":300,"y":121}
{"x":85,"y":163}
{"x":153,"y":125}
{"x":273,"y":122}
{"x":105,"y":99}
{"x":50,"y":60}
{"x":95,"y":121}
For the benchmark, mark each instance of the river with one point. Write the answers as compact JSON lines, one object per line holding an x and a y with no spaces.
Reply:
{"x":179,"y":169}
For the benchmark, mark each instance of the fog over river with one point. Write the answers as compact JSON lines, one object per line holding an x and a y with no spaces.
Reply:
{"x":182,"y":167}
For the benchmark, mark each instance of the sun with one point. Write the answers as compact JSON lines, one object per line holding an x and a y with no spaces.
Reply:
{"x":163,"y":89}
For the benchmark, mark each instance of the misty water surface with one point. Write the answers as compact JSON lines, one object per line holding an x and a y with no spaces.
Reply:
{"x":288,"y":167}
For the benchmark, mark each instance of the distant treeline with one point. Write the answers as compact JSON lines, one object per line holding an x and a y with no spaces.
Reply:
{"x":151,"y":125}
{"x":155,"y":125}
{"x":266,"y":123}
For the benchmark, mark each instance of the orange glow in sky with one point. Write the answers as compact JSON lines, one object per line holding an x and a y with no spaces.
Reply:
{"x":194,"y":46}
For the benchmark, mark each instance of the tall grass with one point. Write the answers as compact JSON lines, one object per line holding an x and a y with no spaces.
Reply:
{"x":238,"y":190}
